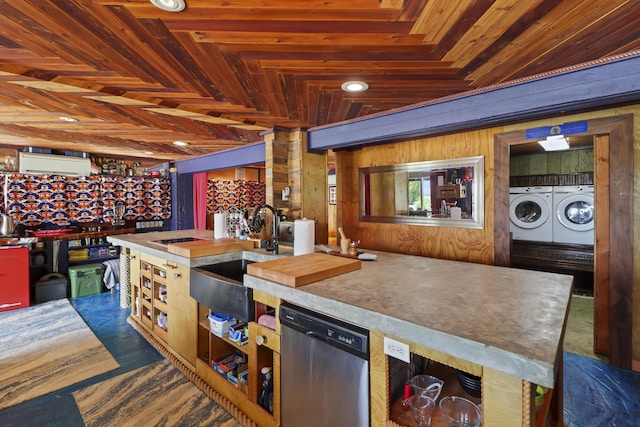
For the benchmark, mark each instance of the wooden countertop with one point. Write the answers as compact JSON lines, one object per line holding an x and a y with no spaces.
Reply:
{"x":87,"y":234}
{"x":509,"y":320}
{"x":144,"y":242}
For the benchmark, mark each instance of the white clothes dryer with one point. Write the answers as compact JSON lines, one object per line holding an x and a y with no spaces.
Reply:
{"x":574,"y":214}
{"x":530,"y":212}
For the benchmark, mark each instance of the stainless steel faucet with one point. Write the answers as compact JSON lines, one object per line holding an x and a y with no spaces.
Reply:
{"x":276,"y":227}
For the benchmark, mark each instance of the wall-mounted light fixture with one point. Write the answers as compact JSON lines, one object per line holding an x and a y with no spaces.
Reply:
{"x":169,"y":5}
{"x":354,"y":86}
{"x":555,"y":143}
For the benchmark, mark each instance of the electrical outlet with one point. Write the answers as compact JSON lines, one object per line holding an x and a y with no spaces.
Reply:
{"x":396,"y":349}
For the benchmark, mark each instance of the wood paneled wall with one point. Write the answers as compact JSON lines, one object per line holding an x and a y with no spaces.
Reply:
{"x":289,"y":164}
{"x":469,"y":244}
{"x":276,"y":167}
{"x":308,"y":177}
{"x":464,"y":244}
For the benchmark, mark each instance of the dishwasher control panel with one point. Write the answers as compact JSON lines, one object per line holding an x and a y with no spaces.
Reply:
{"x":333,"y":331}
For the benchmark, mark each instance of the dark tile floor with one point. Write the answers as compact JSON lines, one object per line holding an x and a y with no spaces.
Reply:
{"x":596,"y":394}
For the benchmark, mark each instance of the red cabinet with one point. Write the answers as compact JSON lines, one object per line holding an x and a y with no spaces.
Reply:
{"x":14,"y":278}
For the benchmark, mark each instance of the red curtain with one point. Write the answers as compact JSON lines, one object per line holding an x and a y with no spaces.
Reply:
{"x":200,"y":201}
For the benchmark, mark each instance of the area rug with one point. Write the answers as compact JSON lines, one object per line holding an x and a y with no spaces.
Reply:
{"x":154,"y":395}
{"x":45,"y":348}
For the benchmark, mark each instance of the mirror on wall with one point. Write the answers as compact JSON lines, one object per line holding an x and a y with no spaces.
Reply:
{"x":434,"y":193}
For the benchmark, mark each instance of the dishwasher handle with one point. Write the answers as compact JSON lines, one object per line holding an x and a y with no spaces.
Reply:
{"x":317,"y":336}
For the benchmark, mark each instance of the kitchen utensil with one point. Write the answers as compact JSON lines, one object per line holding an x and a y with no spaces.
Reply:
{"x":457,"y":411}
{"x":342,"y":235}
{"x":6,"y":222}
{"x":302,"y":269}
{"x":208,"y":247}
{"x":344,"y":246}
{"x":118,"y":215}
{"x":421,"y":407}
{"x":427,"y":385}
{"x":353,"y":248}
{"x":6,"y":225}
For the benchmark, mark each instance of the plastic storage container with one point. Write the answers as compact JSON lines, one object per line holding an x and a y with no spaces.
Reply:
{"x":51,"y":287}
{"x":220,"y":323}
{"x":86,"y":279}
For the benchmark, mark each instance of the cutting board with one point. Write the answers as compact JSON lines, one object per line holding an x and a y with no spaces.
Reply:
{"x":200,"y":248}
{"x":302,"y":269}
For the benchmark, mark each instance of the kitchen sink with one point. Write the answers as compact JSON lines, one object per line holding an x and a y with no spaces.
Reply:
{"x":219,"y":287}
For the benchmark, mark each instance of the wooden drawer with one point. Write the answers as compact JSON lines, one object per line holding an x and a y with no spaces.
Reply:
{"x":270,"y":337}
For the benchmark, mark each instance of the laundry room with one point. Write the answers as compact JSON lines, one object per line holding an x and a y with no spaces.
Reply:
{"x":552,"y":209}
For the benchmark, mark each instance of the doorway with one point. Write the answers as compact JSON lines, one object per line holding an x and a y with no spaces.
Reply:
{"x":552,"y":209}
{"x":613,"y":269}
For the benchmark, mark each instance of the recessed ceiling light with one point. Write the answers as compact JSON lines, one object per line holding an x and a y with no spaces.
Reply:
{"x":169,"y":5}
{"x":68,"y":119}
{"x":180,"y":143}
{"x":148,"y":152}
{"x":555,"y":143}
{"x":354,"y":86}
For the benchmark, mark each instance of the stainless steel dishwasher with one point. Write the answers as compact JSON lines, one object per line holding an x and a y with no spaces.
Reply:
{"x":325,"y":370}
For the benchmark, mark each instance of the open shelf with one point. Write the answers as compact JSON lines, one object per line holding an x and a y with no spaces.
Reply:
{"x":452,"y":387}
{"x":246,"y":396}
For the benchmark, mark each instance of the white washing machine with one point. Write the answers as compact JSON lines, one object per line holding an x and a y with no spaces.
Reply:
{"x":530,"y":211}
{"x":574,"y":214}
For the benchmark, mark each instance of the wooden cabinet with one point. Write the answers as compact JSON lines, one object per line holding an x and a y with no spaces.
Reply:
{"x":262,"y":350}
{"x":506,"y":400}
{"x":162,"y":305}
{"x":183,"y":312}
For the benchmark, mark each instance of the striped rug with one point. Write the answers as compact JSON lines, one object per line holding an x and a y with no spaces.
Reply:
{"x":154,"y":395}
{"x":45,"y":348}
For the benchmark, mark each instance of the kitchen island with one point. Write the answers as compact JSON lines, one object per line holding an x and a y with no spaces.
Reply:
{"x":503,"y":325}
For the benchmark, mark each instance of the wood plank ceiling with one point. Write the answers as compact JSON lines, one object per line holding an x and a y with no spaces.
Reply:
{"x":219,"y":73}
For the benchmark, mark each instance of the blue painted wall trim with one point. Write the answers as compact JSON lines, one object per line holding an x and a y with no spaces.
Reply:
{"x":595,"y":86}
{"x":182,"y":201}
{"x":249,"y":155}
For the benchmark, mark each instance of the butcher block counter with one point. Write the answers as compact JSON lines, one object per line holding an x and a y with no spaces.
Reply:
{"x":149,"y":243}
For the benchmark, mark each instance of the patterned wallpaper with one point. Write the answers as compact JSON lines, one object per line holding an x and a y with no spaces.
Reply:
{"x":33,"y":200}
{"x":224,"y":194}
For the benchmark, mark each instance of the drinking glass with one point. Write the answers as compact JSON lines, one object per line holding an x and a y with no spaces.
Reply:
{"x":459,"y":412}
{"x":421,"y":407}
